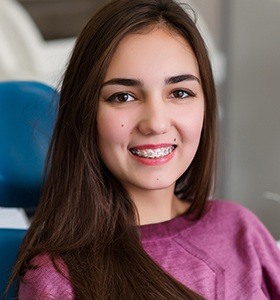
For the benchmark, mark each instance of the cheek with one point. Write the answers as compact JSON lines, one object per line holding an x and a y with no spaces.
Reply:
{"x":196,"y":127}
{"x":192,"y":126}
{"x":113,"y":129}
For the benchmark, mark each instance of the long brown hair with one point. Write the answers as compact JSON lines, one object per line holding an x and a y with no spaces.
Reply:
{"x":85,"y":216}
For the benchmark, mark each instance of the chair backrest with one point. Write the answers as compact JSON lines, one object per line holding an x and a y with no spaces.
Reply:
{"x":10,"y":240}
{"x":27,"y":116}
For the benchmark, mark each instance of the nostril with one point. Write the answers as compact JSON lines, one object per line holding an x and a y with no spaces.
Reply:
{"x":154,"y":125}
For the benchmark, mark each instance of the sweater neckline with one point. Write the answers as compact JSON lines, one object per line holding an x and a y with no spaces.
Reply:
{"x":167,"y":228}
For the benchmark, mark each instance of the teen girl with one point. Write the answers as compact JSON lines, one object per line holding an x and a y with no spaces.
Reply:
{"x":124,"y":213}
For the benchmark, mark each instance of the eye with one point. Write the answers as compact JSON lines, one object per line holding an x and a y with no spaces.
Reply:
{"x":121,"y":97}
{"x":182,"y":94}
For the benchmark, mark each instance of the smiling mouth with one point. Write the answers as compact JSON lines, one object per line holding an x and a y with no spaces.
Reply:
{"x":153,"y":153}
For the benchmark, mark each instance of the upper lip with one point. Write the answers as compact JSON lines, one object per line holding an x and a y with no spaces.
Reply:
{"x":152,"y":146}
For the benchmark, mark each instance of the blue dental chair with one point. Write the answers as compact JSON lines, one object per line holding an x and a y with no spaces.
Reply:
{"x":27,"y":114}
{"x":10,"y":241}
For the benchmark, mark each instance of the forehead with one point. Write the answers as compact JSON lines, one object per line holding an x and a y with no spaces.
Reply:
{"x":159,"y":48}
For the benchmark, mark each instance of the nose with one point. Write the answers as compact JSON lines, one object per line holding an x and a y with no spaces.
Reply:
{"x":154,"y":118}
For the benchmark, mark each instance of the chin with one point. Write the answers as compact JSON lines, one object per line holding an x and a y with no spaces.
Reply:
{"x":156,"y":185}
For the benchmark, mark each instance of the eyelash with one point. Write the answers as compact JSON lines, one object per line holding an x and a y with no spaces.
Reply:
{"x":115,"y":97}
{"x":187,"y":92}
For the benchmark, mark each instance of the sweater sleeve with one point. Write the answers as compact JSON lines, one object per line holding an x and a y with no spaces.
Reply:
{"x":269,"y":256}
{"x":45,"y":282}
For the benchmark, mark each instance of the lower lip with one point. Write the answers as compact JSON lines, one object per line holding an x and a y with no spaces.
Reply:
{"x":154,"y":161}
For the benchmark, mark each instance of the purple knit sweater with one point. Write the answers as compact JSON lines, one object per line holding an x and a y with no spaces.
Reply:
{"x":228,"y":254}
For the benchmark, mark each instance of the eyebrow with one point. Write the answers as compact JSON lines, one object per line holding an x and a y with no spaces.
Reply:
{"x":180,"y":78}
{"x":137,"y":82}
{"x":123,"y":81}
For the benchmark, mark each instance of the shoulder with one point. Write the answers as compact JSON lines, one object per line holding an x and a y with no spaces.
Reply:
{"x":231,"y":212}
{"x":236,"y":219}
{"x":227,"y":206}
{"x":46,"y":280}
{"x":248,"y":241}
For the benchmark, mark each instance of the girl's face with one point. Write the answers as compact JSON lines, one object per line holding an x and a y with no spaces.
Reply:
{"x":151,"y":110}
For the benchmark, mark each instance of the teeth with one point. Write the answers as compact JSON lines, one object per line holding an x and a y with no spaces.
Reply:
{"x":153,"y":153}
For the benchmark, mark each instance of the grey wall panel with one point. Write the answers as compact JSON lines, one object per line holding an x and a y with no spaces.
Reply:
{"x":253,"y":109}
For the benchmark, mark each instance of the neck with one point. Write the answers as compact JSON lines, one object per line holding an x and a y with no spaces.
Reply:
{"x":155,"y":206}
